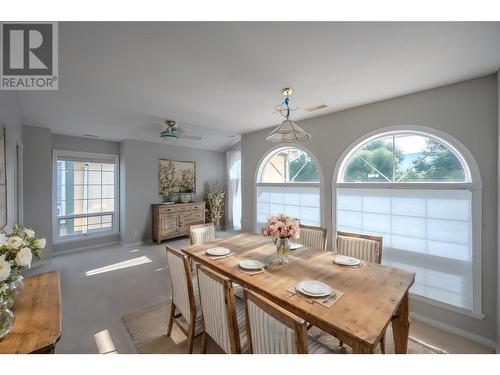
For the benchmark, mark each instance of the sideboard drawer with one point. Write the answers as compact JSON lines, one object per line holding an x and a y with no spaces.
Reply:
{"x":166,"y":210}
{"x":184,"y":208}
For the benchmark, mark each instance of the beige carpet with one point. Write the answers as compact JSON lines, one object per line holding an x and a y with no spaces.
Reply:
{"x":148,"y":328}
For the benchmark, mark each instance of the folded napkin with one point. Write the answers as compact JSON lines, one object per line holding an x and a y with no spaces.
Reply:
{"x":318,"y":300}
{"x":250,"y":272}
{"x":215,"y":257}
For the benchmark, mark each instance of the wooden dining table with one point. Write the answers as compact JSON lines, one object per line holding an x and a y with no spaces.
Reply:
{"x":374,"y":295}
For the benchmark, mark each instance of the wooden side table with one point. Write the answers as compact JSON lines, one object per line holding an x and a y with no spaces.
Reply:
{"x":37,"y":327}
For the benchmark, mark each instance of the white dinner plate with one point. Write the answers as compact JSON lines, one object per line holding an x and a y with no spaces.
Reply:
{"x":294,"y":245}
{"x":313,"y":288}
{"x":250,"y":264}
{"x":347,"y":261}
{"x":218,"y":251}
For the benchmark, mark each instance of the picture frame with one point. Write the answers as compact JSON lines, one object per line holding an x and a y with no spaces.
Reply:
{"x":176,"y":176}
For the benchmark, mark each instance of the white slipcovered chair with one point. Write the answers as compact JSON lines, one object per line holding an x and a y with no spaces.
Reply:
{"x":274,"y":330}
{"x":201,"y":233}
{"x":184,"y":309}
{"x":361,"y":246}
{"x":313,"y":236}
{"x":368,"y":248}
{"x":223,"y":315}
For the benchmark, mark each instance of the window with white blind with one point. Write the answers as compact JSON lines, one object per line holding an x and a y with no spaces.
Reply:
{"x":416,"y":191}
{"x":288,"y":183}
{"x":85,"y":195}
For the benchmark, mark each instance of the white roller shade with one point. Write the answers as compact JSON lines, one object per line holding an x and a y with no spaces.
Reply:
{"x":426,"y":231}
{"x":298,"y":202}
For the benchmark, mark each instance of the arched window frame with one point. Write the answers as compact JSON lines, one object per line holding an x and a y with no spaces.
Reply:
{"x":260,"y":168}
{"x":473,"y":183}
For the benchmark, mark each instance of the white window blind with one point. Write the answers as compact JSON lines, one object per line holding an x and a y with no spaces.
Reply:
{"x":427,"y":231}
{"x":86,"y":195}
{"x":298,"y":202}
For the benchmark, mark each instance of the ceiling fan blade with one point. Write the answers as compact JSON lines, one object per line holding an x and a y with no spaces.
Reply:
{"x":194,"y":137}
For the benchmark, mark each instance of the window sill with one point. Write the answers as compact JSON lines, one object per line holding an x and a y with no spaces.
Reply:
{"x":85,"y":238}
{"x":445,"y":306}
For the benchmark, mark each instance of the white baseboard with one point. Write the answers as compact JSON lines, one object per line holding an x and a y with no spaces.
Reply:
{"x":135,"y":243}
{"x":41,"y":263}
{"x":457,"y":331}
{"x":83,"y":248}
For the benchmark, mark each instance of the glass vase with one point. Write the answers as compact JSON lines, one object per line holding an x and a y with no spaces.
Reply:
{"x":16,"y":286}
{"x":6,"y":318}
{"x":282,"y":247}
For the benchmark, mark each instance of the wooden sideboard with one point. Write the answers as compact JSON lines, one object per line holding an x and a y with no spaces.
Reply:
{"x":174,"y":220}
{"x":37,"y":327}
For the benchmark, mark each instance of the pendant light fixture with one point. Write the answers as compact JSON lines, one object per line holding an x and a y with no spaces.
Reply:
{"x":288,"y":131}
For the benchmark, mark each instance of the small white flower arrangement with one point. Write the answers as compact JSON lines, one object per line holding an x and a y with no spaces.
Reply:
{"x":17,"y":250}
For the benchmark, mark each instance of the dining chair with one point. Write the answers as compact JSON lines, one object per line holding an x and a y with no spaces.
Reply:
{"x":184,"y":308}
{"x":223,"y":315}
{"x":313,"y":236}
{"x":274,"y":330}
{"x":361,"y":246}
{"x":201,"y":233}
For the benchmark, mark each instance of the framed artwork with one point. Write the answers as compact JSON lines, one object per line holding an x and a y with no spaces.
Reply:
{"x":177,"y":177}
{"x":3,"y":179}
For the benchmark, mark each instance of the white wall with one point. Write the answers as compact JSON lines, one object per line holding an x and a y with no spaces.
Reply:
{"x":498,"y":231}
{"x":10,"y":117}
{"x":139,"y":163}
{"x":37,"y":182}
{"x":466,"y":111}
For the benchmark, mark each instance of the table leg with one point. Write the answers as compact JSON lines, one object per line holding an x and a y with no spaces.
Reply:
{"x":401,"y":326}
{"x":359,"y":348}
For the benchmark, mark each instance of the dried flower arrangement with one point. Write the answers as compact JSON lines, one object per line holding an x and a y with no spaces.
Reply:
{"x":215,"y":199}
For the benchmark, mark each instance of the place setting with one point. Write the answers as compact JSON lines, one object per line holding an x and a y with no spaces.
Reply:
{"x":219,"y":252}
{"x":251,"y":267}
{"x":344,"y":260}
{"x":315,"y":291}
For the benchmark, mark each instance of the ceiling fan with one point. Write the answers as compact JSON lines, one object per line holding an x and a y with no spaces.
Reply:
{"x":172,"y":131}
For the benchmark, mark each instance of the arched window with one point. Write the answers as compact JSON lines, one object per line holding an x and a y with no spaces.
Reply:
{"x":288,"y":183}
{"x":416,"y":191}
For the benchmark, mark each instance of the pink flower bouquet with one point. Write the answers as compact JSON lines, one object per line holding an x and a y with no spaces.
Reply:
{"x":281,"y":227}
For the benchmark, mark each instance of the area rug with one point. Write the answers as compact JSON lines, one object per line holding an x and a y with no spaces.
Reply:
{"x":148,"y":328}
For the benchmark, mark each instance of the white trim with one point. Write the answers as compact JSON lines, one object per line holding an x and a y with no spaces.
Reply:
{"x":446,"y":306}
{"x":321,"y":185}
{"x":18,"y":181}
{"x":41,"y":263}
{"x":84,"y":248}
{"x":116,"y":213}
{"x":475,"y":185}
{"x":457,"y":331}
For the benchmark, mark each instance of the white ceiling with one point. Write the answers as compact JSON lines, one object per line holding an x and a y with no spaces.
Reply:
{"x":119,"y":80}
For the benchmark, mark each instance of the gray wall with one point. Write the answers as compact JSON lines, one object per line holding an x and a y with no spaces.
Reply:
{"x":139,"y":181}
{"x":69,"y":143}
{"x":11,"y":119}
{"x":466,"y":111}
{"x":37,"y":176}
